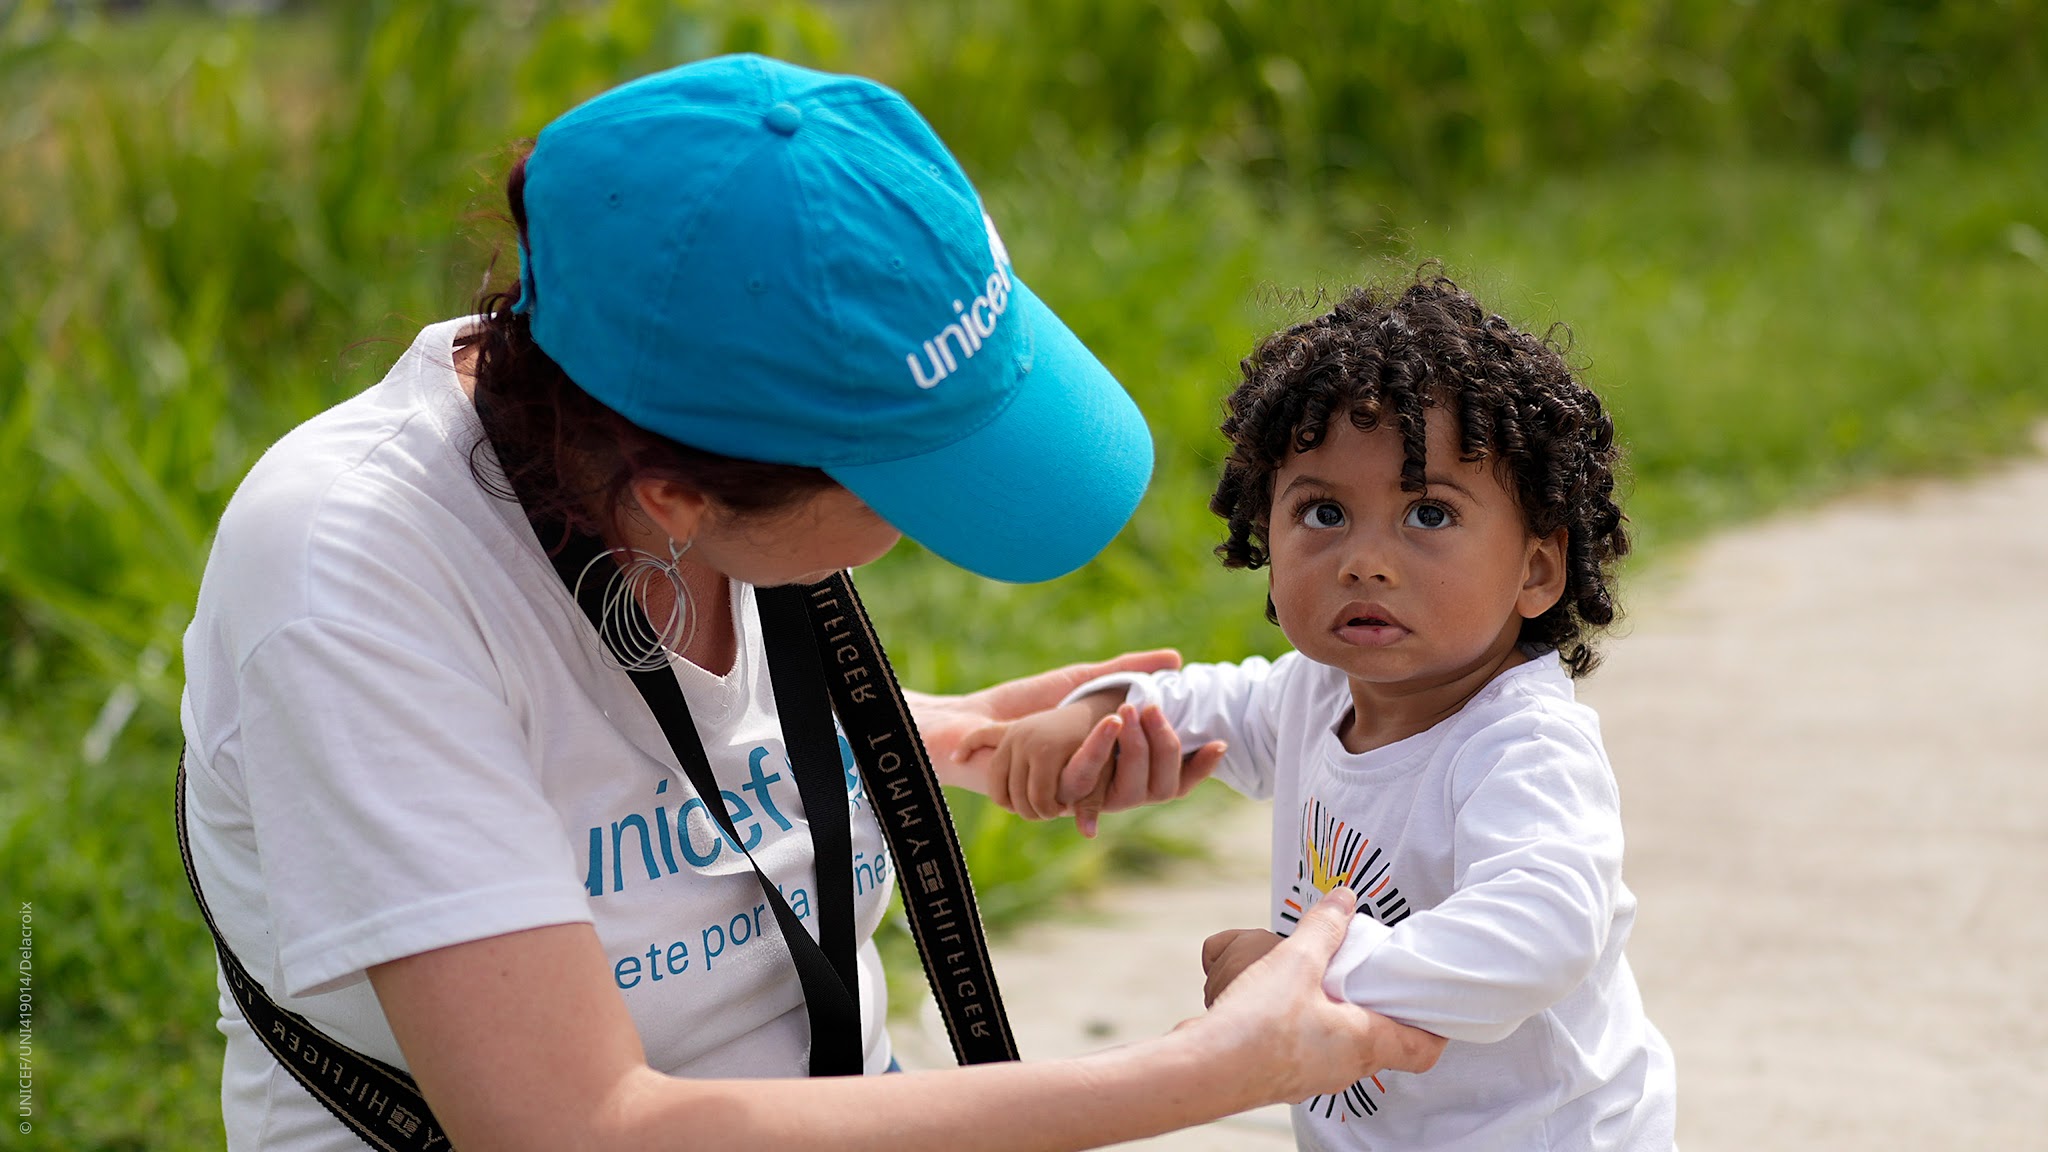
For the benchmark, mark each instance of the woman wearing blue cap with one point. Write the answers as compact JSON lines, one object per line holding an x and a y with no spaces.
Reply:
{"x":441,"y":811}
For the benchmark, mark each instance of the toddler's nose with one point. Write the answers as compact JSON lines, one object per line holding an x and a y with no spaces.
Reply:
{"x":1368,"y":560}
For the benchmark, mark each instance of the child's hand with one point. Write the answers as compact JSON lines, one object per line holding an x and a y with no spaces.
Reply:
{"x":1092,"y":756}
{"x":1230,"y":952}
{"x":1033,"y":751}
{"x":1147,"y":768}
{"x":945,"y":721}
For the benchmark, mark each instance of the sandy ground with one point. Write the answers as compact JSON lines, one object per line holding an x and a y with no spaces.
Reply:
{"x":1831,"y":731}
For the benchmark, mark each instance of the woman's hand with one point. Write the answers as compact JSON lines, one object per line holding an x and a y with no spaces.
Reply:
{"x":944,"y":721}
{"x":1291,"y":1031}
{"x":1127,"y":758}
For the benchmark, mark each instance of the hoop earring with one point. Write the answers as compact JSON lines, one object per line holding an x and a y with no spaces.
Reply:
{"x":628,"y":639}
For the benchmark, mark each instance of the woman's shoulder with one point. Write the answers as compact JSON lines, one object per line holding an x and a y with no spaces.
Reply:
{"x":378,"y":488}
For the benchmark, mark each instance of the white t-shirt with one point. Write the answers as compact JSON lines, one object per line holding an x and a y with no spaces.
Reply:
{"x":1486,"y":852}
{"x":401,"y":736}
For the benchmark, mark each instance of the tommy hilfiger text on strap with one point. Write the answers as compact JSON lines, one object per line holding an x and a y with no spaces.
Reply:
{"x":938,"y":899}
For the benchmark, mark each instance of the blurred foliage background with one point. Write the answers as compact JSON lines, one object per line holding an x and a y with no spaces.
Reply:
{"x":1796,"y":246}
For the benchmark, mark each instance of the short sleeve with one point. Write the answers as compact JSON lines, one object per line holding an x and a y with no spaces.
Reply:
{"x":396,"y":805}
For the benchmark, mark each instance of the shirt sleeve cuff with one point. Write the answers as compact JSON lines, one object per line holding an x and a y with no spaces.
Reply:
{"x":1364,"y":935}
{"x":1137,"y":686}
{"x":339,"y":958}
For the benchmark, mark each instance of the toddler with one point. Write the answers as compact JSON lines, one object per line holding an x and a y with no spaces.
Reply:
{"x":1432,"y":492}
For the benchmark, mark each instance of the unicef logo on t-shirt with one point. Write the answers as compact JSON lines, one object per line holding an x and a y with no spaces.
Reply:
{"x":855,"y":792}
{"x":657,"y":846}
{"x":652,"y":842}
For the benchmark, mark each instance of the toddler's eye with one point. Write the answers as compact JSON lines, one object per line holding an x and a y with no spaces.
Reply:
{"x":1428,"y":516}
{"x":1322,"y":514}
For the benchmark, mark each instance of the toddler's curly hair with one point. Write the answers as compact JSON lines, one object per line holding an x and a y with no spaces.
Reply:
{"x":1378,"y":356}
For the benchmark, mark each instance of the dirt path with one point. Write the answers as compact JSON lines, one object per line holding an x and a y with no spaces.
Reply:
{"x":1832,"y":736}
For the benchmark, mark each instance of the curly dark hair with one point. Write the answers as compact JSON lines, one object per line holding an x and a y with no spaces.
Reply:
{"x":1382,"y":356}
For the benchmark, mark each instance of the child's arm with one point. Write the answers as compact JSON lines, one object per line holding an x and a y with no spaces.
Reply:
{"x":1060,"y":762}
{"x":1537,"y":839}
{"x":1037,"y":758}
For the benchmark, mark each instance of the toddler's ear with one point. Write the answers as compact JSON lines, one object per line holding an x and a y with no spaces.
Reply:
{"x":1543,"y":575}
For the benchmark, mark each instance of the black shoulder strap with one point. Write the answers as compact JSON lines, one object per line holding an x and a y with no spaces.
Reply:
{"x":382,"y":1105}
{"x":377,"y":1102}
{"x":845,"y":657}
{"x":938,"y":897}
{"x":805,"y":712}
{"x":824,"y":967}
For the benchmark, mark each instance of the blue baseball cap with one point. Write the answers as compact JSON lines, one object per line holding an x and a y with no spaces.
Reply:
{"x":769,"y":262}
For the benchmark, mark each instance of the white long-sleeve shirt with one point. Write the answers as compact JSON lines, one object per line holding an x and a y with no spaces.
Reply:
{"x":1486,"y":853}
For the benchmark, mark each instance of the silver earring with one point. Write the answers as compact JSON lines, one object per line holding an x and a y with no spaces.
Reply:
{"x":629,"y":640}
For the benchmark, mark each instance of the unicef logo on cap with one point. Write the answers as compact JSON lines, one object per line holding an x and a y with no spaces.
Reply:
{"x":976,"y":320}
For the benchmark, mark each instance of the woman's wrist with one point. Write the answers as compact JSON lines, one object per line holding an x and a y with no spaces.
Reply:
{"x":1220,"y":1062}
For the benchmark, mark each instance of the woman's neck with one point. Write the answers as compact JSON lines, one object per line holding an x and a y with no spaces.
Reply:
{"x":712,"y":643}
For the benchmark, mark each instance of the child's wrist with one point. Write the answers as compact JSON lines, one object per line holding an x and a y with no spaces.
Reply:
{"x":1100,"y":703}
{"x":1362,"y":936}
{"x":1117,"y":686}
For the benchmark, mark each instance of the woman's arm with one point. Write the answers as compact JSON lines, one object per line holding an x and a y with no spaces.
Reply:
{"x":519,"y":1042}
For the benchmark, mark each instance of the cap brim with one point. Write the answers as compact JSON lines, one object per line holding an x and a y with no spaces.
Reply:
{"x":1039,"y":490}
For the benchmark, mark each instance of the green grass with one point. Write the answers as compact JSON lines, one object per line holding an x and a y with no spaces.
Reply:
{"x":1772,"y":331}
{"x":1766,"y":333}
{"x":1436,"y":96}
{"x":215,"y":228}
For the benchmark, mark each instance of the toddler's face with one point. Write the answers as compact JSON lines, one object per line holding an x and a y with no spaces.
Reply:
{"x":1416,"y":589}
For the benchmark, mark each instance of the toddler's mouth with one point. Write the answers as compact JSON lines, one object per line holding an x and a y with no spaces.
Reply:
{"x":1367,"y":614}
{"x":1368,"y":624}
